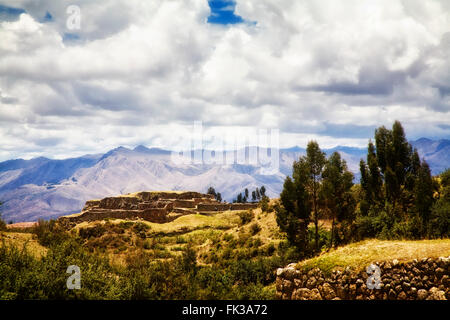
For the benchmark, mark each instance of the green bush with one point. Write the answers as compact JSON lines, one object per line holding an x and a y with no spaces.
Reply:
{"x":50,"y":233}
{"x":246,"y":217}
{"x":439,"y":225}
{"x":255,"y":228}
{"x":2,"y":224}
{"x":22,"y":276}
{"x":324,"y":239}
{"x":264,"y":204}
{"x":92,"y":232}
{"x":270,"y":249}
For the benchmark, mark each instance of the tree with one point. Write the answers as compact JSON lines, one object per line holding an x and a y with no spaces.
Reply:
{"x":424,"y":192}
{"x":315,"y":161}
{"x":375,"y":180}
{"x":211,"y":191}
{"x":264,"y":204}
{"x":293,"y":216}
{"x":300,"y":196}
{"x":398,"y":188}
{"x":394,"y":157}
{"x":253,"y":196}
{"x":239,"y":198}
{"x":258,"y":195}
{"x":383,"y":138}
{"x":402,"y":152}
{"x":262,"y":190}
{"x":336,"y":188}
{"x":439,"y":224}
{"x":413,"y":170}
{"x":219,"y":197}
{"x":364,"y":203}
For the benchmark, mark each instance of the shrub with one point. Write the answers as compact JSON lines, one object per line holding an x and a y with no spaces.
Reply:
{"x":264,"y":204}
{"x":255,"y":228}
{"x":2,"y":224}
{"x":324,"y":239}
{"x":140,"y":226}
{"x":246,"y":216}
{"x":92,"y":232}
{"x":270,"y":249}
{"x":439,"y":224}
{"x":180,"y":239}
{"x":228,"y":237}
{"x":49,"y":233}
{"x":126,"y":224}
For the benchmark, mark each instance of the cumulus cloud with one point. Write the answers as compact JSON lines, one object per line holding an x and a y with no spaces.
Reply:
{"x":141,"y":72}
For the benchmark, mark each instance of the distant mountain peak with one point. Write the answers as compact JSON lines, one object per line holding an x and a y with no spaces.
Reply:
{"x":141,"y":148}
{"x":294,"y":149}
{"x":144,"y":149}
{"x":117,"y":150}
{"x":120,"y":148}
{"x":423,"y":140}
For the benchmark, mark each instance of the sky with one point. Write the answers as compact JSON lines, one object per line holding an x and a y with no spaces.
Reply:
{"x":111,"y":73}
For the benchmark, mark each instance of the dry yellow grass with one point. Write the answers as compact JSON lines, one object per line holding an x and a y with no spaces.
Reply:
{"x":22,"y":240}
{"x":73,"y":215}
{"x":222,"y":220}
{"x":359,"y":255}
{"x":269,"y":228}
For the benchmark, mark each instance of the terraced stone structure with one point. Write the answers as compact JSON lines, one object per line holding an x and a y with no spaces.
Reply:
{"x":159,"y":207}
{"x":424,"y":279}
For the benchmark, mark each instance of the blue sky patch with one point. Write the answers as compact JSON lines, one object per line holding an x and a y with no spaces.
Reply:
{"x":9,"y":13}
{"x":222,"y":12}
{"x":48,"y":17}
{"x":67,"y":37}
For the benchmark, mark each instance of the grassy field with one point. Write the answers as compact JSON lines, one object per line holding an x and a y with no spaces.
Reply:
{"x":235,"y":254}
{"x":22,"y":240}
{"x":208,"y":234}
{"x":359,"y":255}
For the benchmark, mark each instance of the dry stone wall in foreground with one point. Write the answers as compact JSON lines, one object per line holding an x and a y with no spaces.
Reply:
{"x":425,"y":279}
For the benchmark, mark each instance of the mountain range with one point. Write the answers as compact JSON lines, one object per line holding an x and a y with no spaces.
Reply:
{"x":46,"y":188}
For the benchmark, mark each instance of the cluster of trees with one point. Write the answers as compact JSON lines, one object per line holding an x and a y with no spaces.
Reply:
{"x":319,"y":187}
{"x":257,"y":195}
{"x":217,"y":195}
{"x":439,"y":222}
{"x":397,"y":197}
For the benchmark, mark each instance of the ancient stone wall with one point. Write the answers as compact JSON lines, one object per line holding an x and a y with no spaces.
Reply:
{"x":414,"y":280}
{"x":157,"y":215}
{"x":225,"y":206}
{"x":157,"y":207}
{"x":243,"y":206}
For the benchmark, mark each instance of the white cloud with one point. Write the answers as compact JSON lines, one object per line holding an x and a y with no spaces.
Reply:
{"x":143,"y":71}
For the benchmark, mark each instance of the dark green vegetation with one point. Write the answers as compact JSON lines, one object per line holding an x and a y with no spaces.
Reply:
{"x":217,"y":195}
{"x":131,"y":260}
{"x":256,"y":195}
{"x":397,"y":198}
{"x":2,"y":223}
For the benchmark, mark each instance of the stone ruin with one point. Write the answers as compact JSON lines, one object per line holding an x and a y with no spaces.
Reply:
{"x":424,"y":279}
{"x":159,"y":207}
